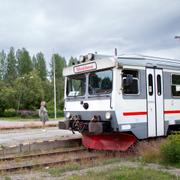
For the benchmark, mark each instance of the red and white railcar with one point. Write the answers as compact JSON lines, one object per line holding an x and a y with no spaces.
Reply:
{"x":114,"y":100}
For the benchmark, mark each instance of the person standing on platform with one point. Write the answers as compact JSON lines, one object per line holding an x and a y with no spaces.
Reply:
{"x":43,"y":114}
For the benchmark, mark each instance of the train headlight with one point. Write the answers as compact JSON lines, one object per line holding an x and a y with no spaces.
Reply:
{"x":68,"y":115}
{"x":82,"y":59}
{"x":90,"y":56}
{"x":108,"y":115}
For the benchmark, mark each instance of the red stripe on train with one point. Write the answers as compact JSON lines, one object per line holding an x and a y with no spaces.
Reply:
{"x":145,"y":113}
{"x":134,"y":113}
{"x":172,"y":112}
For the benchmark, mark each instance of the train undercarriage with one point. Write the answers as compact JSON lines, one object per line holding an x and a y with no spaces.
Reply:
{"x":99,"y":134}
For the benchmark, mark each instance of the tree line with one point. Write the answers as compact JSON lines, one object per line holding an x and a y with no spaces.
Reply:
{"x":25,"y":80}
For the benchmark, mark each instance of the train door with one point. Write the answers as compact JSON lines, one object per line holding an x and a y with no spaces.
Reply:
{"x":155,"y":102}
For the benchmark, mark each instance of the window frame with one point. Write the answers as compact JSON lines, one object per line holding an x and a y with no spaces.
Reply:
{"x":100,"y":94}
{"x":153,"y":88}
{"x":138,"y":80}
{"x":177,"y":74}
{"x":159,"y":84}
{"x":78,"y":96}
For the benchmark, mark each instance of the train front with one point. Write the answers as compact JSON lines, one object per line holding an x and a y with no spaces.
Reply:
{"x":88,"y":103}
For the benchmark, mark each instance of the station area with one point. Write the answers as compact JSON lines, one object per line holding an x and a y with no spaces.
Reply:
{"x":17,"y":137}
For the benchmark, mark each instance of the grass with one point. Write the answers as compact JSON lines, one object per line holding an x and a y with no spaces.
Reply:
{"x":146,"y":152}
{"x":124,"y":173}
{"x":162,"y":151}
{"x":72,"y":166}
{"x":105,"y":169}
{"x":109,"y":161}
{"x":15,"y":119}
{"x":116,"y":172}
{"x":7,"y":178}
{"x":149,"y":151}
{"x":57,"y":171}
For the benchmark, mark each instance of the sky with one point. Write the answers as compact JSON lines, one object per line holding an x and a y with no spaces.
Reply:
{"x":76,"y":27}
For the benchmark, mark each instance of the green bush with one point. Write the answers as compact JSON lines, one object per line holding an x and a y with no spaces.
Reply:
{"x":170,"y":150}
{"x":28,"y":114}
{"x":9,"y":113}
{"x":50,"y":106}
{"x":59,"y":114}
{"x":34,"y":114}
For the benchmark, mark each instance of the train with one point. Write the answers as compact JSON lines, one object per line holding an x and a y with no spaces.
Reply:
{"x":113,"y":101}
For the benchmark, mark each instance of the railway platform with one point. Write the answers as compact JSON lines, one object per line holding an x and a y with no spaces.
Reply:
{"x":20,"y":137}
{"x":5,"y":125}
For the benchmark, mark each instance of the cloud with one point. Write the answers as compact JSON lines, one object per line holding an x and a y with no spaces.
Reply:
{"x":76,"y":27}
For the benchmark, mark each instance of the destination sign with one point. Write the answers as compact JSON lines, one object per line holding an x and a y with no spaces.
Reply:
{"x":85,"y":68}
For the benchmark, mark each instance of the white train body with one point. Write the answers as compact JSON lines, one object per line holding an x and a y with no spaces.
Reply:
{"x":131,"y":94}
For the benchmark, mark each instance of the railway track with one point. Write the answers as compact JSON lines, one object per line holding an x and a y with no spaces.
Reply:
{"x":15,"y":163}
{"x":63,"y":151}
{"x":66,"y":155}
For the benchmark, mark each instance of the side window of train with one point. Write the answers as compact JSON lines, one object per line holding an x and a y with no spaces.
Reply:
{"x":175,"y":87}
{"x":130,"y":82}
{"x":150,"y":84}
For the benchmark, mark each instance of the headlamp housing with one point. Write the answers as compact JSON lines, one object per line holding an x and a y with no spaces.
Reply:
{"x":108,"y":115}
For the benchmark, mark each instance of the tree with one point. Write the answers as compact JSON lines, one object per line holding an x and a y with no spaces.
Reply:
{"x":60,"y":63}
{"x":29,"y":91}
{"x":72,"y":61}
{"x":40,"y":66}
{"x":2,"y":65}
{"x":25,"y":64}
{"x":11,"y":72}
{"x":34,"y":61}
{"x":7,"y":97}
{"x":48,"y":90}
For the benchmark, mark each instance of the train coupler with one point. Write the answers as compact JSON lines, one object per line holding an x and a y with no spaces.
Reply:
{"x":64,"y":124}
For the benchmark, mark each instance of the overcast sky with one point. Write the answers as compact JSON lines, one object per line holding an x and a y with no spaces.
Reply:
{"x":75,"y":27}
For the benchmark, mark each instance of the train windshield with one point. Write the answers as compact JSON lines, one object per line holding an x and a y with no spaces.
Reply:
{"x":100,"y":82}
{"x":76,"y":85}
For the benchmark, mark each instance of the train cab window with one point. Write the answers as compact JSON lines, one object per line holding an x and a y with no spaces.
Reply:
{"x":130,"y":82}
{"x":100,"y":82}
{"x":76,"y":85}
{"x":175,"y":87}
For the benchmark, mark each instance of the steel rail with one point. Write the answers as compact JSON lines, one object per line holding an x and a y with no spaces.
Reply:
{"x":50,"y":163}
{"x":64,"y":151}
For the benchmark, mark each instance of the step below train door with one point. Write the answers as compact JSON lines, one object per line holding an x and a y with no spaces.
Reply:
{"x":155,"y":102}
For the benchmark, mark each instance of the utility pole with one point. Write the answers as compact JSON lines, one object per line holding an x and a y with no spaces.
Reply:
{"x":54,"y":69}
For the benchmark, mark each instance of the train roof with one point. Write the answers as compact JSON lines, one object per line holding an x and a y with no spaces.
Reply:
{"x":149,"y":61}
{"x":143,"y":61}
{"x":104,"y":61}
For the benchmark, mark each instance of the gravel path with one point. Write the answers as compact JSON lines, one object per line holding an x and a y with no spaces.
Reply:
{"x":46,"y":176}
